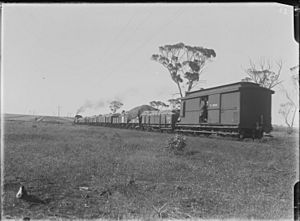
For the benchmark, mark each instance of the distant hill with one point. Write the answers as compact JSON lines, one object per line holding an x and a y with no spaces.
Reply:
{"x":35,"y":118}
{"x":137,"y":111}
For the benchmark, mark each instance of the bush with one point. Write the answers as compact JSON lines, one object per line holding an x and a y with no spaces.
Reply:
{"x":289,"y":130}
{"x":177,"y":143}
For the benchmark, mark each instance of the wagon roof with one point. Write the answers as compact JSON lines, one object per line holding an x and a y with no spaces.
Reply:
{"x":111,"y":115}
{"x":225,"y":88}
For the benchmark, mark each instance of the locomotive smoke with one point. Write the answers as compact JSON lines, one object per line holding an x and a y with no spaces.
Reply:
{"x":90,"y":105}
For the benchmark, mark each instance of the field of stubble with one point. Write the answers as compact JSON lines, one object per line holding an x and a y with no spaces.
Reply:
{"x":84,"y":172}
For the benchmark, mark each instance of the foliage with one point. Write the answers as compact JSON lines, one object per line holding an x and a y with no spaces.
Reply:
{"x":175,"y":103}
{"x":115,"y":105}
{"x":184,"y":63}
{"x":263,"y":74}
{"x":289,"y":109}
{"x":177,"y":143}
{"x":158,"y":104}
{"x":295,"y":68}
{"x":295,"y":78}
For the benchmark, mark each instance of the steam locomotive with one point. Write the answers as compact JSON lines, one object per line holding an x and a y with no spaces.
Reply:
{"x":240,"y":109}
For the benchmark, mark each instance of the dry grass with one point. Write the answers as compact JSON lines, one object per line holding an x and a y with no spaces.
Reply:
{"x":84,"y":172}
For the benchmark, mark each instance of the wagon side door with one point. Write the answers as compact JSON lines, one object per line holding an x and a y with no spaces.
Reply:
{"x":230,"y":108}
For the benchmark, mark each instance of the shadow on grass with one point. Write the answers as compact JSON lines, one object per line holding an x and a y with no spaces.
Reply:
{"x":191,"y":152}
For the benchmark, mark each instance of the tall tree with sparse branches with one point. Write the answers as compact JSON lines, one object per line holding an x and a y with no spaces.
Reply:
{"x":289,"y":109}
{"x":185,"y":63}
{"x":263,"y":73}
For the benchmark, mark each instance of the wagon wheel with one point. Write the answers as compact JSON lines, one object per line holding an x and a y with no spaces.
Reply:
{"x":207,"y":134}
{"x":253,"y":134}
{"x":260,"y":134}
{"x":241,"y":134}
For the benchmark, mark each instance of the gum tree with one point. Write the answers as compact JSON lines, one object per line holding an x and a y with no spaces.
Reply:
{"x":263,"y":73}
{"x":115,"y":105}
{"x":288,"y":110}
{"x":185,"y":63}
{"x":174,"y":103}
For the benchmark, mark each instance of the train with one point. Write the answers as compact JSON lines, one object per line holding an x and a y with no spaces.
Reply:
{"x":241,"y":109}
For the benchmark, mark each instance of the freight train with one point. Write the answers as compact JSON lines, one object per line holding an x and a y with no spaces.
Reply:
{"x":240,"y":109}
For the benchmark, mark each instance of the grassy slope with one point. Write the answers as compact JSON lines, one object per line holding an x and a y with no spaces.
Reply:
{"x":48,"y":119}
{"x":216,"y":178}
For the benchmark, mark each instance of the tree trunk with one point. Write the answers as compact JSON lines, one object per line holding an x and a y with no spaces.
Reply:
{"x":179,"y":89}
{"x":293,"y":119}
{"x":190,"y":86}
{"x":289,"y":130}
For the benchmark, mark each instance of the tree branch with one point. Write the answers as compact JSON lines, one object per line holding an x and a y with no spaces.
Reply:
{"x":289,"y":98}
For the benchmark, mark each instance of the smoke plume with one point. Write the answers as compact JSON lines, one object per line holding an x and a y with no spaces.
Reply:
{"x":90,"y":105}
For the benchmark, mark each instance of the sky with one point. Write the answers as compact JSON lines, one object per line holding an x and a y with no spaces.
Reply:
{"x":60,"y":57}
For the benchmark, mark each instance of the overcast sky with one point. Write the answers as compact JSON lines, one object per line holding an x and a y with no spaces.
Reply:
{"x":70,"y":54}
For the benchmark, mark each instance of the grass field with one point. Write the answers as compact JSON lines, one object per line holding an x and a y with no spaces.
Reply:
{"x":74,"y":168}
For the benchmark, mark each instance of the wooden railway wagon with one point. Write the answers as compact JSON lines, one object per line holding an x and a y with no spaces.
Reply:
{"x":241,"y":108}
{"x":122,"y":121}
{"x":89,"y":120}
{"x":116,"y":118}
{"x":109,"y":119}
{"x":101,"y":119}
{"x":96,"y":120}
{"x":162,"y":120}
{"x":124,"y":118}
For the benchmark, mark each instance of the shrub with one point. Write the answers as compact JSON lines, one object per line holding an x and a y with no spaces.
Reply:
{"x":289,"y":130}
{"x":177,"y":143}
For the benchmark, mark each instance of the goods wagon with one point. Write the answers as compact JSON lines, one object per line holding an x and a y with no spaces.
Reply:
{"x":135,"y":120}
{"x":123,"y":118}
{"x":115,"y":118}
{"x":88,"y":120}
{"x":97,"y":119}
{"x":101,"y":119}
{"x":111,"y":118}
{"x":241,"y":108}
{"x":164,"y":120}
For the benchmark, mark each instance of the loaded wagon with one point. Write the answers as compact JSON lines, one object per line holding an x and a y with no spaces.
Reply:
{"x":163,"y":120}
